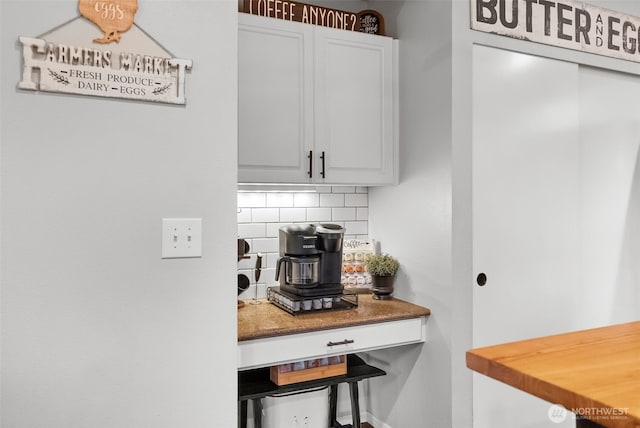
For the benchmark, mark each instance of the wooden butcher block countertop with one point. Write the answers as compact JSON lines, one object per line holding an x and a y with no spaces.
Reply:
{"x":594,"y":371}
{"x":267,"y":320}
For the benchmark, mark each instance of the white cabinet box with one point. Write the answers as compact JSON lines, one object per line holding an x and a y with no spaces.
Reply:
{"x":317,"y":344}
{"x":315,"y":104}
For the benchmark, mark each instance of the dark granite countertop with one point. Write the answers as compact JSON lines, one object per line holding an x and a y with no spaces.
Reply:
{"x":267,"y":320}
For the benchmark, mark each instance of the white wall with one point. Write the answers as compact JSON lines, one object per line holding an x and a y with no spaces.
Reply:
{"x":417,"y":389}
{"x":97,"y":330}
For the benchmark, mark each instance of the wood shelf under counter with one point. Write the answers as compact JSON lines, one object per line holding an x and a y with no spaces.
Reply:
{"x":267,"y":335}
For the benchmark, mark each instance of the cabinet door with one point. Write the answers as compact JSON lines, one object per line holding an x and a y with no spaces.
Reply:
{"x":275,"y":87}
{"x":354,"y":107}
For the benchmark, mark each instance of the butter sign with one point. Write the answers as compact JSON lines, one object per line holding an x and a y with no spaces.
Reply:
{"x":89,"y":71}
{"x":566,"y":23}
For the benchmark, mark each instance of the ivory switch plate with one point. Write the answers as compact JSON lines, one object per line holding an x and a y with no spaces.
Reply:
{"x":181,"y":237}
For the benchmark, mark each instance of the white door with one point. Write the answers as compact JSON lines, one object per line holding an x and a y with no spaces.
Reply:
{"x":275,"y":100}
{"x":556,"y":210}
{"x":526,"y":201}
{"x":354,"y":107}
{"x":610,"y":142}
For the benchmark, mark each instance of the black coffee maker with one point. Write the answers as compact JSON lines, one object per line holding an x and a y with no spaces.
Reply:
{"x":312,"y":259}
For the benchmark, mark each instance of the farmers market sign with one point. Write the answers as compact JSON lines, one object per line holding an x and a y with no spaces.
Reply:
{"x":568,"y":24}
{"x":68,"y":59}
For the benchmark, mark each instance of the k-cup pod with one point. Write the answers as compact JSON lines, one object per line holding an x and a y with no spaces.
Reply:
{"x":285,"y":368}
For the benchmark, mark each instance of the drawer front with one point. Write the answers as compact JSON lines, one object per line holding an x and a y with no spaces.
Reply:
{"x":317,"y":344}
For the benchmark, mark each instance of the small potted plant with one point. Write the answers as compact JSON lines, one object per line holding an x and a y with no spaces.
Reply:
{"x":382,"y":268}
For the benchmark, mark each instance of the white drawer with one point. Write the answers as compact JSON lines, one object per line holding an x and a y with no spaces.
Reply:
{"x":316,"y":344}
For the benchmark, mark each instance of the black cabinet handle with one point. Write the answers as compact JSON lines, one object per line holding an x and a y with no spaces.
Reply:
{"x":343,"y":342}
{"x":322,"y":172}
{"x":310,"y":157}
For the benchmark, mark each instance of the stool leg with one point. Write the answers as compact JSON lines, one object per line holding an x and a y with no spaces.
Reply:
{"x":333,"y":405}
{"x":242,"y":414}
{"x":257,"y":412}
{"x":355,"y":404}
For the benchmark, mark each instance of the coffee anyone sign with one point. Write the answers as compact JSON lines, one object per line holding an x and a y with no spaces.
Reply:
{"x":123,"y":62}
{"x":568,"y":24}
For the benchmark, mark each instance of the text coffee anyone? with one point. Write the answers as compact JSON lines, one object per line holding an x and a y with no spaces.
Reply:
{"x":304,"y":13}
{"x":569,"y":24}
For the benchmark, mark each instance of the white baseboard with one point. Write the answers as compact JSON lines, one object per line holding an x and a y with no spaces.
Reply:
{"x":377,"y":423}
{"x":365,"y":417}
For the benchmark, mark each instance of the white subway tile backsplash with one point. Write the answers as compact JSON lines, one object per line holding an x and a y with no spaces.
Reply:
{"x":279,"y":200}
{"x":342,"y":214}
{"x":356,"y":200}
{"x":265,"y":215}
{"x":271,"y":260}
{"x":252,"y":230}
{"x":244,"y":215}
{"x":332,"y":200}
{"x":261,"y":214}
{"x":356,"y":227}
{"x":247,"y":263}
{"x":362,"y":214}
{"x":268,"y":277}
{"x":273,"y":229}
{"x":318,"y":215}
{"x":293,"y":214}
{"x":306,"y":200}
{"x":343,"y":189}
{"x":252,"y":200}
{"x":264,"y":245}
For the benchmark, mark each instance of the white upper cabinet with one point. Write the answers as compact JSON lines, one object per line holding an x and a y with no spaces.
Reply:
{"x":275,"y":103}
{"x":315,"y":105}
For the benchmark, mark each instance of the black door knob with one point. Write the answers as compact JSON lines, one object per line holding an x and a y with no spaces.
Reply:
{"x":481,"y":279}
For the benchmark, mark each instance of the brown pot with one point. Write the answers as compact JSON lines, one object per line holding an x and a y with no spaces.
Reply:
{"x":382,"y":286}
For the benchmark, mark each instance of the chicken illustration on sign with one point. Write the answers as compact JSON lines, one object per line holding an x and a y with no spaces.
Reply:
{"x":112,"y":17}
{"x":62,"y":61}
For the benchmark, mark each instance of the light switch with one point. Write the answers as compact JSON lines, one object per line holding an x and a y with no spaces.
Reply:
{"x":181,"y":237}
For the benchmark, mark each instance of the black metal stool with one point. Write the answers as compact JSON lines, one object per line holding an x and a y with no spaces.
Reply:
{"x":255,"y":384}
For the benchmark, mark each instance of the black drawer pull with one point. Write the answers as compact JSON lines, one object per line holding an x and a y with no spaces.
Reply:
{"x":344,"y":342}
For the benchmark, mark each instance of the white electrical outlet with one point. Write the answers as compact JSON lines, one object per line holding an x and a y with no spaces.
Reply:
{"x":181,"y":237}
